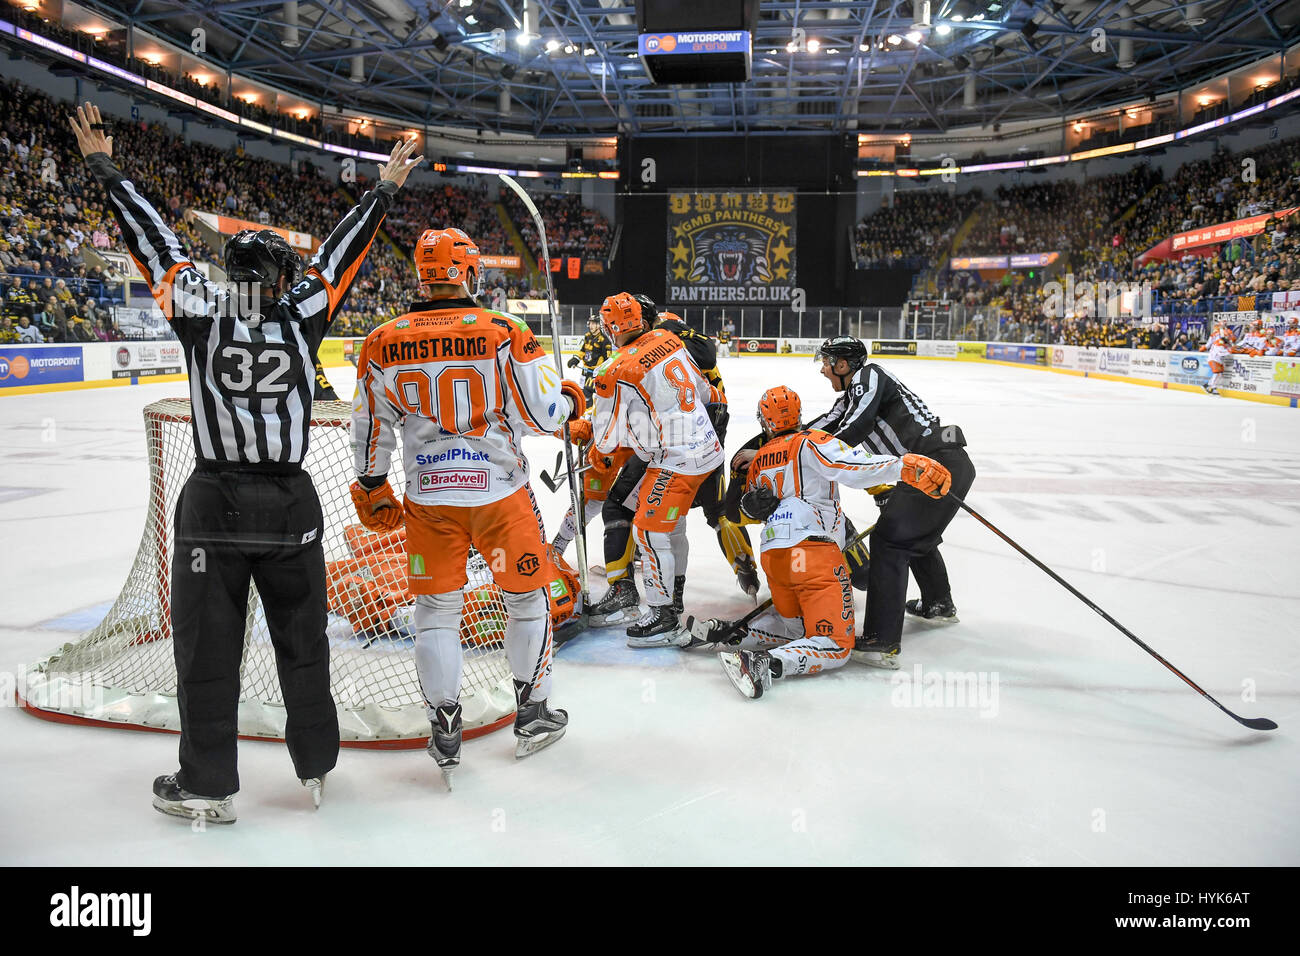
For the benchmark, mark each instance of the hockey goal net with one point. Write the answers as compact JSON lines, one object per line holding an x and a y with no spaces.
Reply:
{"x":122,"y":673}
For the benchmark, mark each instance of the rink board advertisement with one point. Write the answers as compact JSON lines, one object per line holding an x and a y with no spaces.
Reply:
{"x":884,"y":347}
{"x":755,"y":346}
{"x":22,"y":365}
{"x":1273,"y":379}
{"x":731,"y":247}
{"x":143,"y":359}
{"x":1022,"y":354}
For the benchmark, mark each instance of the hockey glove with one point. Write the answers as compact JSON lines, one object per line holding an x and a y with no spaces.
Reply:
{"x":759,"y":503}
{"x":741,"y":459}
{"x":377,"y":508}
{"x":926,"y":475}
{"x":573,"y":362}
{"x":577,"y":401}
{"x":857,"y":558}
{"x":597,"y":459}
{"x":880,"y":494}
{"x":579,"y":431}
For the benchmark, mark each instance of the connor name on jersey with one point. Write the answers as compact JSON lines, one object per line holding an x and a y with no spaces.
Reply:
{"x":803,"y":469}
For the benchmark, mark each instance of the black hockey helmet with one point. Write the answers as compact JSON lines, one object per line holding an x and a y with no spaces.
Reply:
{"x":262,"y":256}
{"x":843,"y":347}
{"x":649,"y":311}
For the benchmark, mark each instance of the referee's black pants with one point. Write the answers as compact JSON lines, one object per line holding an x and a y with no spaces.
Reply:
{"x":235,"y":525}
{"x":907,"y":535}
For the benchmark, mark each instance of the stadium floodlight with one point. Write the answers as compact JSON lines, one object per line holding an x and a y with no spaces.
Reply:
{"x":527,"y":26}
{"x":552,"y":46}
{"x":465,"y":3}
{"x":895,"y":39}
{"x":943,"y":29}
{"x":914,"y":36}
{"x":813,"y":45}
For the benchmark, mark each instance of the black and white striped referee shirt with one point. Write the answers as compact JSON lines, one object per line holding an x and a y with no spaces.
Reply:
{"x":883,"y":415}
{"x":250,"y":381}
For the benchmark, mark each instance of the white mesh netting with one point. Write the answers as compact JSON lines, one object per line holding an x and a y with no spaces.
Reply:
{"x":123,"y":671}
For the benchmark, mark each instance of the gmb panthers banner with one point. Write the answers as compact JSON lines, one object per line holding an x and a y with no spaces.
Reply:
{"x":731,"y":247}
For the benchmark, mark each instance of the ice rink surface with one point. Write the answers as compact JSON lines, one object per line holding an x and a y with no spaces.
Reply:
{"x":1176,"y":512}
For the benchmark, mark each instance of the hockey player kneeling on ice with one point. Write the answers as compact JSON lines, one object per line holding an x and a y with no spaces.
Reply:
{"x":651,"y":398}
{"x":792,"y":486}
{"x":466,"y":385}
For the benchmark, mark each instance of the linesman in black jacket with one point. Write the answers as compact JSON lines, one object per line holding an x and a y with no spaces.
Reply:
{"x":880,"y":413}
{"x":249,"y":511}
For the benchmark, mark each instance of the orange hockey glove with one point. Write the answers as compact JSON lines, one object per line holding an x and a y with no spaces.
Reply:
{"x":579,"y":431}
{"x":597,"y":459}
{"x":377,"y":508}
{"x":579,"y":401}
{"x":926,"y":474}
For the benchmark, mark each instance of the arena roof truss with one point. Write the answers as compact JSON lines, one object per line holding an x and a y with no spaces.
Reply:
{"x":818,"y":65}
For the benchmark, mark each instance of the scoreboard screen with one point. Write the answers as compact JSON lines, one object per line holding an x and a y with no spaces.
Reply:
{"x":696,"y":41}
{"x":689,"y":16}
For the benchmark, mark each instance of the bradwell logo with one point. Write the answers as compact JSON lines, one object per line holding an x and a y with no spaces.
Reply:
{"x":467,"y":479}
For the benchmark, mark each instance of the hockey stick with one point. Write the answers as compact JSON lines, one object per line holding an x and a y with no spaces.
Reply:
{"x":554,"y":483}
{"x":1254,"y":723}
{"x":547,"y":480}
{"x":575,"y":486}
{"x":743,"y":622}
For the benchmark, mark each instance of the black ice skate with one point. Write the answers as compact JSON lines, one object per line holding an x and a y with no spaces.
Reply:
{"x":169,"y":798}
{"x":937,"y":612}
{"x":620,"y":604}
{"x":876,"y":653}
{"x":1209,"y":389}
{"x":712,"y":631}
{"x":749,"y":671}
{"x":315,"y":788}
{"x":658,"y":627}
{"x":536,"y":725}
{"x":444,"y":740}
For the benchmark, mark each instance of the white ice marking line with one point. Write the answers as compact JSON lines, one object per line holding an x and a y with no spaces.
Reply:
{"x":1143,"y":568}
{"x":680,"y":806}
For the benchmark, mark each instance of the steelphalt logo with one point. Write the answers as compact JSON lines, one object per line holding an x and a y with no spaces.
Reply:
{"x":102,"y":910}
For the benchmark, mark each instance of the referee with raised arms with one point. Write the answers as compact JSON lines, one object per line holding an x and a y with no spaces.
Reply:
{"x":248,"y":511}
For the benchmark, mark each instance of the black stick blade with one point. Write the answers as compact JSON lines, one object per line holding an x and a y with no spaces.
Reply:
{"x":1256,"y":723}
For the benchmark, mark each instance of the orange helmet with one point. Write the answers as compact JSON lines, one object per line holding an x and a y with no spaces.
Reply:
{"x":447,"y":255}
{"x":621,"y":313}
{"x":779,"y":410}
